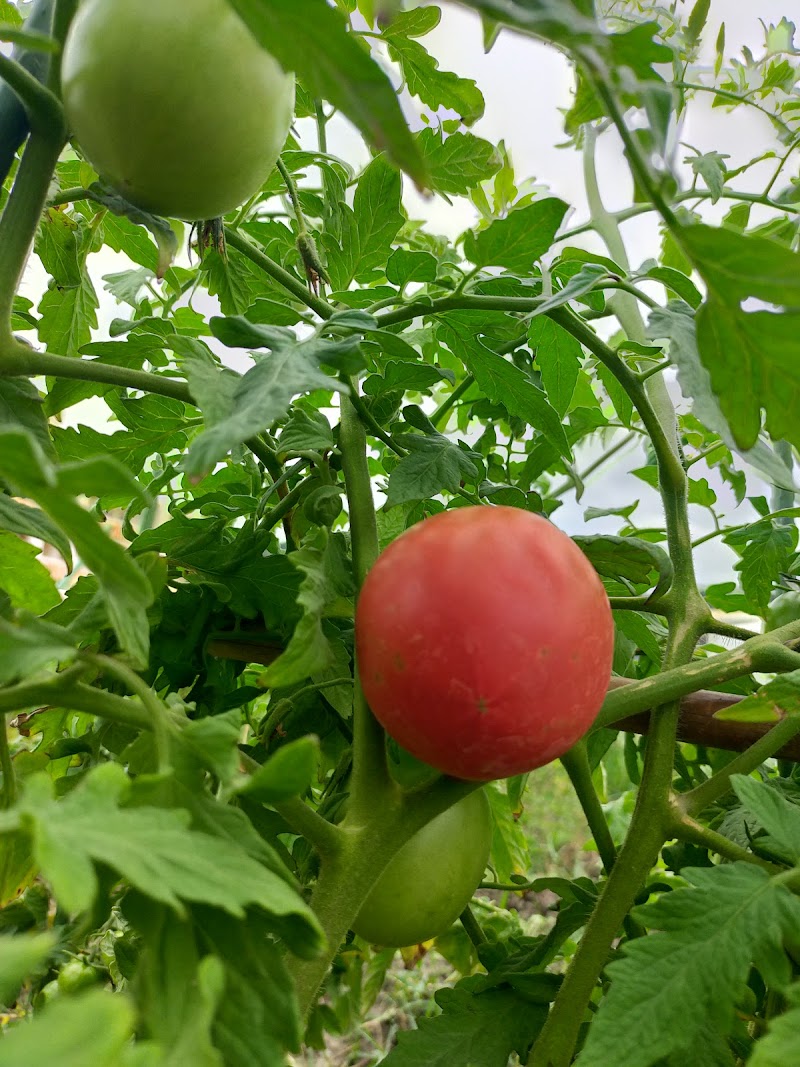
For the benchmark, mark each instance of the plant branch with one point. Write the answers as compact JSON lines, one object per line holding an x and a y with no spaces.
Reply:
{"x":576,"y":764}
{"x":608,"y":454}
{"x":42,"y":107}
{"x":160,"y":723}
{"x":323,"y":835}
{"x":449,"y":402}
{"x":725,"y":94}
{"x":53,"y":692}
{"x":17,"y":358}
{"x":705,"y":794}
{"x":64,"y":13}
{"x":369,"y":420}
{"x":290,"y":282}
{"x":21,"y":217}
{"x":9,"y":795}
{"x":370,"y":782}
{"x":686,"y":829}
{"x":472,"y":927}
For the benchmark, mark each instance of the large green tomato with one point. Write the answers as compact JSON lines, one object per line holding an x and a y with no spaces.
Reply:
{"x":175,"y":103}
{"x":431,"y":879}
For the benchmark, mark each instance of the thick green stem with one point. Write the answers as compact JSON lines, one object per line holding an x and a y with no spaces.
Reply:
{"x":764,"y":652}
{"x":77,"y":697}
{"x":648,"y":830}
{"x":472,"y":927}
{"x":324,"y":836}
{"x":41,"y":106}
{"x":8,"y":797}
{"x":362,"y":853}
{"x":18,"y":359}
{"x":646,"y":835}
{"x":646,"y":602}
{"x":370,"y":779}
{"x":21,"y":217}
{"x":64,"y":13}
{"x":342,"y":887}
{"x":651,"y":818}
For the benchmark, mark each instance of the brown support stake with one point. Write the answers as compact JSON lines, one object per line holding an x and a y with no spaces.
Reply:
{"x":696,"y":725}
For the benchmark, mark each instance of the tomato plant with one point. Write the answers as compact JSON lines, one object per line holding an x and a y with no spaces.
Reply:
{"x":484,"y":639}
{"x":184,"y":116}
{"x":467,"y":459}
{"x":430,"y":881}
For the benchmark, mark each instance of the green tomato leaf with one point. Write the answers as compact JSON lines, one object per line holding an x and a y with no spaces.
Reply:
{"x":25,"y":580}
{"x":265,"y":392}
{"x":640,"y":562}
{"x":28,"y":644}
{"x":434,"y":87}
{"x":484,"y":1028}
{"x":505,"y":384}
{"x":775,"y":814}
{"x":127,"y":591}
{"x":769,"y":704}
{"x":368,"y":228}
{"x":674,"y":989}
{"x":21,"y":407}
{"x":736,"y":266}
{"x":753,"y":360}
{"x":94,"y":1027}
{"x":406,"y":266}
{"x":325,"y":579}
{"x":459,"y":162}
{"x":557,"y":355}
{"x":287,"y":774}
{"x":677,"y":323}
{"x":434,"y":465}
{"x":20,"y":958}
{"x":518,"y":241}
{"x":312,"y":38}
{"x":766,"y":548}
{"x":306,"y":430}
{"x":153,"y":849}
{"x":408,"y":377}
{"x":781,"y":1044}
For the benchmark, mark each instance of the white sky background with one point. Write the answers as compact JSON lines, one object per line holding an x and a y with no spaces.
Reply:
{"x":526,"y":85}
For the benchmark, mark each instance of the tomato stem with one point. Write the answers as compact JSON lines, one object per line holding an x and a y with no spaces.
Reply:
{"x":9,"y":793}
{"x":64,"y":13}
{"x":472,"y":927}
{"x":20,"y":219}
{"x":576,"y":764}
{"x":370,"y":779}
{"x":290,"y":282}
{"x":652,"y":821}
{"x":764,"y":652}
{"x":703,"y":795}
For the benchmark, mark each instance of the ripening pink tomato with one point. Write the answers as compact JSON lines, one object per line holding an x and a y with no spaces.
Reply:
{"x":484,"y":641}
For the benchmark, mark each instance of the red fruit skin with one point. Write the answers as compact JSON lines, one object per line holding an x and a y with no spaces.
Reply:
{"x":484,"y":641}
